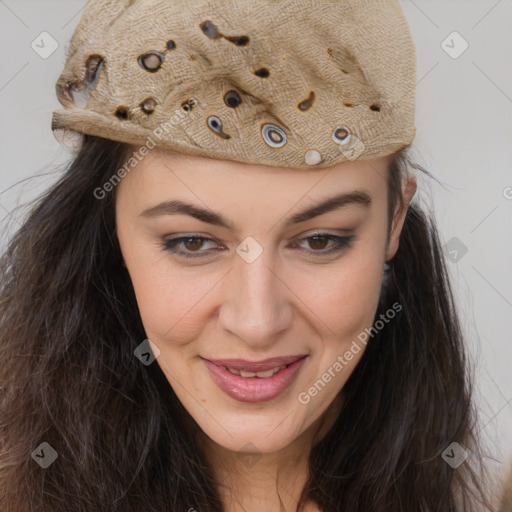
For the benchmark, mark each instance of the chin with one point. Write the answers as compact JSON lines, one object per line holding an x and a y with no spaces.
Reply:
{"x":255,"y":431}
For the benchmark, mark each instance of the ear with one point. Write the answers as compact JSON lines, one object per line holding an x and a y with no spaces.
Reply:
{"x":408,"y":190}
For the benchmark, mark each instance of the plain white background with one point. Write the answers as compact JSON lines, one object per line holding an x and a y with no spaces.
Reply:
{"x":464,"y":137}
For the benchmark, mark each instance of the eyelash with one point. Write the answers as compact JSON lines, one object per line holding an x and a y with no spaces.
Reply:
{"x":341,"y":243}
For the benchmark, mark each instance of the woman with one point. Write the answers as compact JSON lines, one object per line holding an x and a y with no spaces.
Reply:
{"x":196,"y":318}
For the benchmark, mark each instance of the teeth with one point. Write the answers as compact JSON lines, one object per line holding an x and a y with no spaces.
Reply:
{"x":268,"y":373}
{"x":261,"y":375}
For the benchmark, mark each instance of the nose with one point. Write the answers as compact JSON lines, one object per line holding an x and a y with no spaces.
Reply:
{"x":257,"y":304}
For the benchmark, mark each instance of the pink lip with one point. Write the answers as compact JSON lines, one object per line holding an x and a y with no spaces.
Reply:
{"x":254,"y":389}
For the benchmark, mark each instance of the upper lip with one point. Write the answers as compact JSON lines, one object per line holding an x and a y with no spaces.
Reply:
{"x":257,"y":366}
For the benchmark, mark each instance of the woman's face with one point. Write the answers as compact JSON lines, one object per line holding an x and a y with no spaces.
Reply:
{"x":249,"y":262}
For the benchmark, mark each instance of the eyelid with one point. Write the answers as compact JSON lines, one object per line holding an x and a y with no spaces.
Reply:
{"x":341,"y":243}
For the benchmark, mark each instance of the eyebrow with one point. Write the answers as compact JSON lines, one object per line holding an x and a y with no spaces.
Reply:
{"x":357,"y":197}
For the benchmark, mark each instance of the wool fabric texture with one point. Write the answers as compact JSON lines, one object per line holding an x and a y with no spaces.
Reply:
{"x":285,"y":83}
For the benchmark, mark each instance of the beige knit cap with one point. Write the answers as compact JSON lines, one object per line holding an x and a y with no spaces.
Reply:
{"x":286,"y":83}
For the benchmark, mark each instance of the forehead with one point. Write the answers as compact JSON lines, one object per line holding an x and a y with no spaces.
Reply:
{"x":169,"y":168}
{"x":230,"y":194}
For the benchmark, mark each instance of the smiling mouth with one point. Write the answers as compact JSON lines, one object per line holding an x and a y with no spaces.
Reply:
{"x":256,"y":381}
{"x":273,"y":364}
{"x":260,"y":375}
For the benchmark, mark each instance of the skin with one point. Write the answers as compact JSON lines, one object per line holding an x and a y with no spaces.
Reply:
{"x":285,"y":302}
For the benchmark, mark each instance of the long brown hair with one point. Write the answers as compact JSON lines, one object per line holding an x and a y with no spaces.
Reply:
{"x":69,"y":324}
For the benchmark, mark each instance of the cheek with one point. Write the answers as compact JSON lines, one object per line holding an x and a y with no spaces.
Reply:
{"x":359,"y":295}
{"x":169,"y":301}
{"x":346,"y":299}
{"x":346,"y":309}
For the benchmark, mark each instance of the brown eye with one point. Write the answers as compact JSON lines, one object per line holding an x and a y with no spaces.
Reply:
{"x":189,"y":246}
{"x":322,"y":244}
{"x":318,"y":242}
{"x":192,"y":244}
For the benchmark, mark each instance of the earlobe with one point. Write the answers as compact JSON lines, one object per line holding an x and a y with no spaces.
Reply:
{"x":408,"y":191}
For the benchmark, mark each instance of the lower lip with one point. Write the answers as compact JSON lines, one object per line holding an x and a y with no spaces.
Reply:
{"x":253,"y":389}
